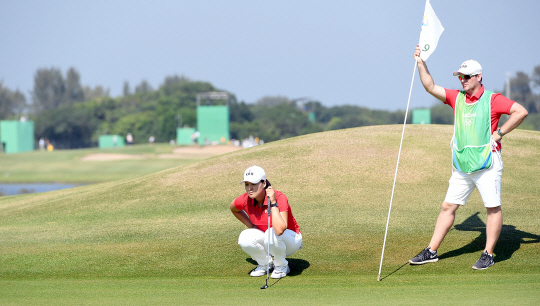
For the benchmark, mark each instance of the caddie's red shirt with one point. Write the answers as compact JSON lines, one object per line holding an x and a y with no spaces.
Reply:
{"x":259,"y":216}
{"x":499,"y":105}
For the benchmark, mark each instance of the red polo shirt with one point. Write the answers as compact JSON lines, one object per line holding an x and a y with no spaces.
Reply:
{"x":259,"y":216}
{"x":499,"y":105}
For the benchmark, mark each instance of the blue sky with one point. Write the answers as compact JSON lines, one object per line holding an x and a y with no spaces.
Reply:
{"x":336,"y":52}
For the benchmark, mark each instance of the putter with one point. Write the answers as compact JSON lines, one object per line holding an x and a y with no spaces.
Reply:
{"x":268,"y":248}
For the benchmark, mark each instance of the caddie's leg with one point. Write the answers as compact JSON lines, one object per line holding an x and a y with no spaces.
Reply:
{"x":489,"y":186}
{"x":444,"y":223}
{"x":252,"y":241}
{"x":493,"y":227}
{"x":460,"y":187}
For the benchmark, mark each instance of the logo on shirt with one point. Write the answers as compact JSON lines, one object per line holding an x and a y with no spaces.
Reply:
{"x":469,"y":118}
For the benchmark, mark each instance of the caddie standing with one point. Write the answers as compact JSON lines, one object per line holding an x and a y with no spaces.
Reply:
{"x":476,"y":156}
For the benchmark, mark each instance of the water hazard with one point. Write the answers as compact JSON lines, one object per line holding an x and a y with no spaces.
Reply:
{"x":7,"y":189}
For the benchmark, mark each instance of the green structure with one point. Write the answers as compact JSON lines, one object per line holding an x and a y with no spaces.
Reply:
{"x":183,"y":136}
{"x":212,"y":119}
{"x":421,"y":116}
{"x":17,"y":136}
{"x":111,"y":141}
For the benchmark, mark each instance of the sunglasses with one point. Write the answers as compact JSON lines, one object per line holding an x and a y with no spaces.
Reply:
{"x":466,"y":77}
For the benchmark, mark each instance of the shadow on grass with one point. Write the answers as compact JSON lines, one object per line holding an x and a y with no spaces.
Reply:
{"x":403,"y":265}
{"x":296,"y":265}
{"x":509,"y":241}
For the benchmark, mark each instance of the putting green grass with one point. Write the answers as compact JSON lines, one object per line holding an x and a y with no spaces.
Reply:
{"x":170,"y":238}
{"x":501,"y":289}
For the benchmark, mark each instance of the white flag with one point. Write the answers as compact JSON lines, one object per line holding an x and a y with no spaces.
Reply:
{"x":431,"y":31}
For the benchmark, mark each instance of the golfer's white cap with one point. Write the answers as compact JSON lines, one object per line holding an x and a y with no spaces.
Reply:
{"x":254,"y":174}
{"x":470,"y":67}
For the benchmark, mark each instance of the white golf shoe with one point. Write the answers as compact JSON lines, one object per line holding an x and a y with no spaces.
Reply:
{"x":261,"y":270}
{"x":280,"y":271}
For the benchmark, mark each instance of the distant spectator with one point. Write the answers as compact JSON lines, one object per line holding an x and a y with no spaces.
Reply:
{"x":195,"y":137}
{"x":129,"y":139}
{"x":151,"y":140}
{"x":41,"y":144}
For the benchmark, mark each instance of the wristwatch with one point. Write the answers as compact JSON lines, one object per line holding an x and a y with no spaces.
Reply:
{"x":274,"y":205}
{"x":499,"y":132}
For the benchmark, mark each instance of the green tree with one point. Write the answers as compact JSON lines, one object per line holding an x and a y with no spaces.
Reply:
{"x":69,"y":126}
{"x":520,"y":91}
{"x":73,"y":89}
{"x":49,"y":89}
{"x":95,"y":93}
{"x":442,"y":114}
{"x":12,"y":103}
{"x":143,"y":87}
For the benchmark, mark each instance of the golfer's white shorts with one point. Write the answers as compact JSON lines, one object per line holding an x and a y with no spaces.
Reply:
{"x":488,"y":182}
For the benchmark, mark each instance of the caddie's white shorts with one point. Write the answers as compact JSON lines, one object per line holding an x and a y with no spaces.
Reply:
{"x":488,"y":182}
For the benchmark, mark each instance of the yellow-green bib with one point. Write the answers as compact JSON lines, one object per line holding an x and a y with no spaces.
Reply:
{"x":471,"y":149}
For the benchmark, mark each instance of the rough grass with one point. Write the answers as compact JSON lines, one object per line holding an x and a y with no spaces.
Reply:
{"x":175,"y":224}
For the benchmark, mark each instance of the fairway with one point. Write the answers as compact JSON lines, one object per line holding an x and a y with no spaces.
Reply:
{"x":169,"y":237}
{"x":96,"y":165}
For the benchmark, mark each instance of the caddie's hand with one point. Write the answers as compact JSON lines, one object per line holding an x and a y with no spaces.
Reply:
{"x":417,"y":51}
{"x":496,"y":136}
{"x":270,"y":193}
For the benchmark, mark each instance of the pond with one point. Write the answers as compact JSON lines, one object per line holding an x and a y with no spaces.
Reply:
{"x":7,"y":189}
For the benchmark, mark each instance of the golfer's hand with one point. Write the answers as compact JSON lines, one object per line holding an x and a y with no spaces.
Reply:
{"x":417,"y":51}
{"x":270,"y":193}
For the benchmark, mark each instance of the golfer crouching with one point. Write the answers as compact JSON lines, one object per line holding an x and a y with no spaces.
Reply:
{"x":251,"y":208}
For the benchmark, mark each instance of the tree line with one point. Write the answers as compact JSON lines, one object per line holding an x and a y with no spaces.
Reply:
{"x":71,"y":115}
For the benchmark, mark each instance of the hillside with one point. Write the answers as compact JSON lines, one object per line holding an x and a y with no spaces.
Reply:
{"x":177,"y":222}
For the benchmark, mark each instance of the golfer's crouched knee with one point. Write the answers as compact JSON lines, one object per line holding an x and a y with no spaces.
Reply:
{"x":251,"y":239}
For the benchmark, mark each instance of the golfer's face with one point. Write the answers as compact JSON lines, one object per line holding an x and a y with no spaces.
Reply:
{"x":254,"y":190}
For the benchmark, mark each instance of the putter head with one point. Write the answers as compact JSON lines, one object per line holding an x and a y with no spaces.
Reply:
{"x":264,"y":287}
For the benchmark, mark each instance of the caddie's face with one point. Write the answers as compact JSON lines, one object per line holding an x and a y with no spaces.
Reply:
{"x":254,"y":190}
{"x":470,"y":83}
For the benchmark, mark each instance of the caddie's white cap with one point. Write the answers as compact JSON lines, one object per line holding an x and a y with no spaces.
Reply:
{"x":470,"y":67}
{"x":254,"y":174}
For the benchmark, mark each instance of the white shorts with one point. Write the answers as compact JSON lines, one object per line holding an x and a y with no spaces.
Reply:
{"x":488,"y":182}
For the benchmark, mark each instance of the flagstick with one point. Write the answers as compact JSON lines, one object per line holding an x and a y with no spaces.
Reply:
{"x":395,"y":175}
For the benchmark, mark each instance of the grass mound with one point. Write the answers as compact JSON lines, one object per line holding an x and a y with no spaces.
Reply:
{"x":177,"y":223}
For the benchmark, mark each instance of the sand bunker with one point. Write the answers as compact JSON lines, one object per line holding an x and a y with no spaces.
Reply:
{"x":178,"y":152}
{"x":111,"y":156}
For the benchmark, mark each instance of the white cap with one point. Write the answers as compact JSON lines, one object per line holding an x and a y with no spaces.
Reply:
{"x":470,"y":67}
{"x":254,"y":175}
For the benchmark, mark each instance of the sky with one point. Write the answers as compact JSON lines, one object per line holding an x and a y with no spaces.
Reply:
{"x":335,"y":52}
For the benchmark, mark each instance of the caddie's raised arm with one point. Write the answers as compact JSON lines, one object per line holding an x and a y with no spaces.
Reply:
{"x":426,"y":79}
